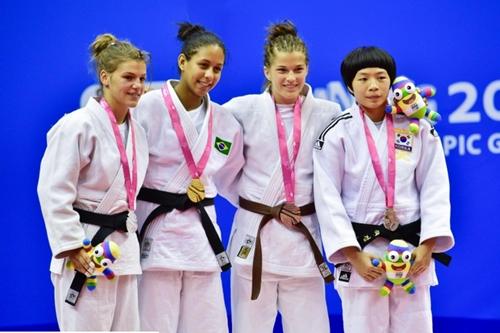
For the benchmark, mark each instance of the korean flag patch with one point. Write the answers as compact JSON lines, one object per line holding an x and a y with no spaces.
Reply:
{"x":403,"y":139}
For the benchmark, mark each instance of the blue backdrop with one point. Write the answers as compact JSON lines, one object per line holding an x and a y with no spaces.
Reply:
{"x":453,"y":45}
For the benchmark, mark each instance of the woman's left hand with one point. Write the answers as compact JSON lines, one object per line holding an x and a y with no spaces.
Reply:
{"x":421,"y":257}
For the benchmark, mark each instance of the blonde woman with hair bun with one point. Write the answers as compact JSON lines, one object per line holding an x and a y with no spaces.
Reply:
{"x":92,"y":168}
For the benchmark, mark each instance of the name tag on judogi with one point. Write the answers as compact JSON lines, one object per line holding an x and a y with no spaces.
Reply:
{"x":246,"y":247}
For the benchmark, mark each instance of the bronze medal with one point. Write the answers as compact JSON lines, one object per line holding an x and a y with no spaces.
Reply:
{"x":390,"y":219}
{"x":196,"y":190}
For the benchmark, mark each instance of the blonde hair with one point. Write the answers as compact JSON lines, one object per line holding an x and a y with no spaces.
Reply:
{"x":107,"y":53}
{"x":283,"y":37}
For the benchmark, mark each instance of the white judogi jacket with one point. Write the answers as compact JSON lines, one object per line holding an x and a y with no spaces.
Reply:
{"x":177,"y":239}
{"x":81,"y":168}
{"x":284,"y":251}
{"x":346,"y":188}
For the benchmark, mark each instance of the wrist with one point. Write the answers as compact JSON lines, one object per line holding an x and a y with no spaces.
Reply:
{"x":69,"y":253}
{"x":429,"y":243}
{"x":352,"y":253}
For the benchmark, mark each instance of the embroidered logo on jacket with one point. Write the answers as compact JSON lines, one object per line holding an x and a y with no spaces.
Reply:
{"x":345,"y":272}
{"x":222,"y":146}
{"x":319,"y":144}
{"x":344,"y":276}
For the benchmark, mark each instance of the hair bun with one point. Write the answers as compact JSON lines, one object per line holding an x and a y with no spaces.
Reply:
{"x":281,"y":29}
{"x":187,"y":29}
{"x":101,"y":42}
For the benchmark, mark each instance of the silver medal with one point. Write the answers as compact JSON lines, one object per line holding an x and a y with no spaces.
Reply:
{"x":390,"y":219}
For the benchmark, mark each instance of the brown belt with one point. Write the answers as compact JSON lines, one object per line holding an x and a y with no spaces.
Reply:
{"x":270,"y":213}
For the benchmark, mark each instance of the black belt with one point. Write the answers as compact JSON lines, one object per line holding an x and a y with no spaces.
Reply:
{"x":366,"y":233}
{"x":107,"y":224}
{"x":170,"y":201}
{"x":269,"y":213}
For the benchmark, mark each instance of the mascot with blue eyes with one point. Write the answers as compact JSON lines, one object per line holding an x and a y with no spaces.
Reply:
{"x":396,"y":264}
{"x":102,"y":255}
{"x":409,"y":100}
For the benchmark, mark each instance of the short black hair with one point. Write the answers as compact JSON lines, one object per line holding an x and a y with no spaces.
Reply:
{"x":366,"y":57}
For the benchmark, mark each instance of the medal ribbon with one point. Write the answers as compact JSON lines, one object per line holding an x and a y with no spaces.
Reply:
{"x":130,"y":182}
{"x":194,"y":170}
{"x":287,"y":165}
{"x":391,"y":159}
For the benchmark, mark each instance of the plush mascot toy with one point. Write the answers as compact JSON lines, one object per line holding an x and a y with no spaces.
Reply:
{"x":409,"y":100}
{"x":396,"y":263}
{"x":103,"y":255}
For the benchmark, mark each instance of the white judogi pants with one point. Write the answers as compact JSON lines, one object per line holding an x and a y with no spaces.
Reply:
{"x":300,"y":301}
{"x":182,"y":302}
{"x":364,"y":310}
{"x":112,"y":306}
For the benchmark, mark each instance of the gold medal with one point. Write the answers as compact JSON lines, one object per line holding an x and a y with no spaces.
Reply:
{"x":390,"y":219}
{"x":196,"y":190}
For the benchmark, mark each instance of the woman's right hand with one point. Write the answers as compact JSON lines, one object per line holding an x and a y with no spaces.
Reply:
{"x":362,"y":263}
{"x":81,"y":261}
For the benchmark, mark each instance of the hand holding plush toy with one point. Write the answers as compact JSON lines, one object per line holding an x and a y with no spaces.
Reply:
{"x":396,"y":263}
{"x":409,"y":100}
{"x":103,"y":255}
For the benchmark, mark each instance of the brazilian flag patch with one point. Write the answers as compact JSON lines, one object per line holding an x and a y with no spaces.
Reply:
{"x":222,"y":146}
